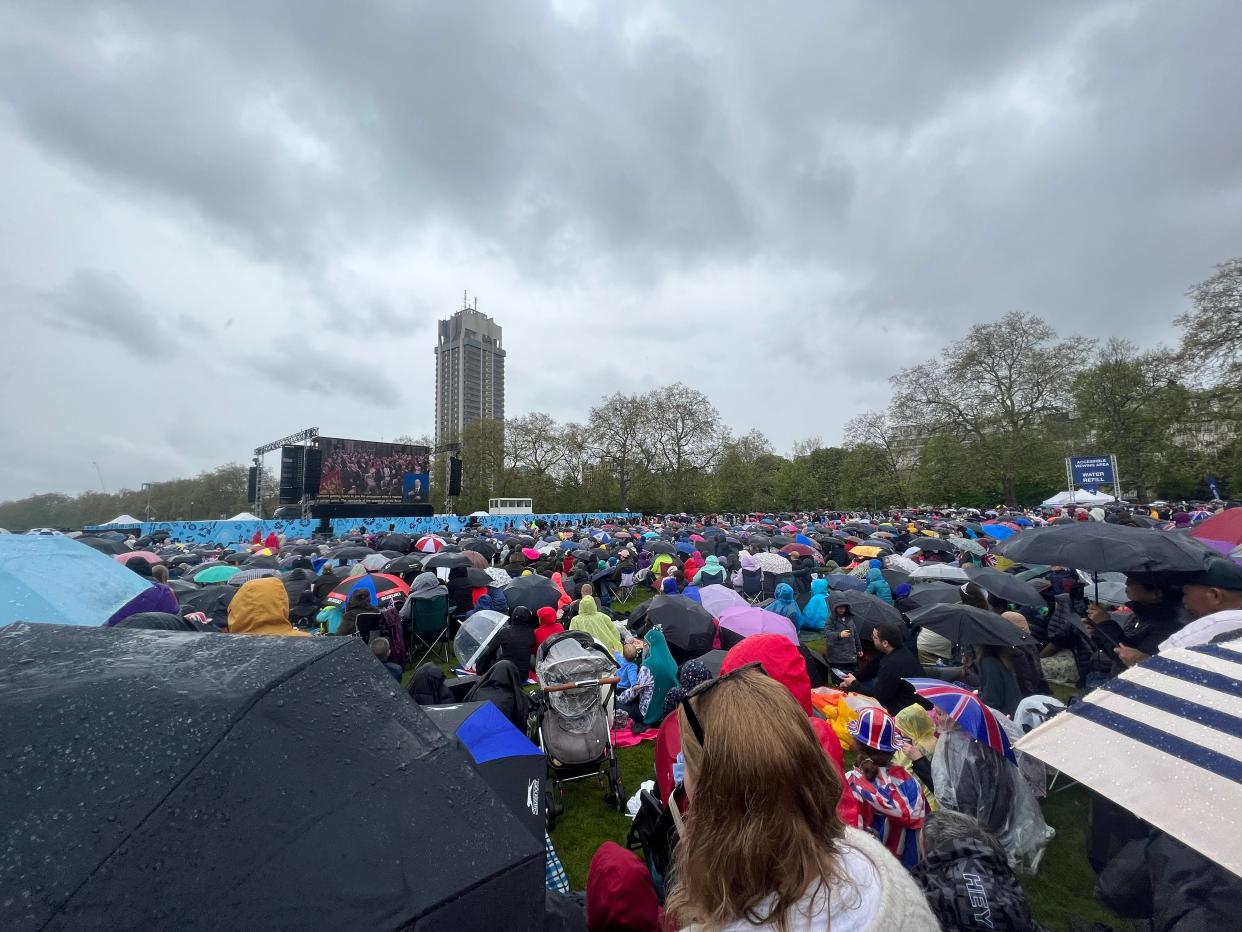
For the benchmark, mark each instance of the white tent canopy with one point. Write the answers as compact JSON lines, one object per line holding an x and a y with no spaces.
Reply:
{"x":123,"y":519}
{"x":245,"y":516}
{"x":1081,"y":497}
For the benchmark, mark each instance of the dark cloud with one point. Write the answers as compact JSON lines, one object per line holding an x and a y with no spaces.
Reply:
{"x":104,"y":307}
{"x":737,"y":195}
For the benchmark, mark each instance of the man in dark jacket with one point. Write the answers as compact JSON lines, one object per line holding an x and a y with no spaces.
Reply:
{"x":1156,"y":613}
{"x":885,"y":677}
{"x":966,"y":878}
{"x":327,"y":581}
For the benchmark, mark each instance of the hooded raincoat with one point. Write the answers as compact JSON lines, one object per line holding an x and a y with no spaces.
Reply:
{"x":261,"y":606}
{"x":815,"y":615}
{"x":784,"y":604}
{"x":878,"y":586}
{"x":595,"y":623}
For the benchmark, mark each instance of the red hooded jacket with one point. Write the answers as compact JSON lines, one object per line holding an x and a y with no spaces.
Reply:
{"x":272,"y":540}
{"x":548,"y":625}
{"x":783,"y":663}
{"x":619,"y":894}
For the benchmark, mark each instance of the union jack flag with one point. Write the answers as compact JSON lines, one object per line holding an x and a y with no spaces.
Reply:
{"x":893,"y":808}
{"x":968,"y":710}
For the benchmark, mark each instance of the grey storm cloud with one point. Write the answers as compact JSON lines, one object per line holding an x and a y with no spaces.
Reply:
{"x":104,"y":307}
{"x":288,"y":194}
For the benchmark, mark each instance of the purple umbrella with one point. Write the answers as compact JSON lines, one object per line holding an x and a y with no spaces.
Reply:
{"x":717,"y":599}
{"x":751,"y":619}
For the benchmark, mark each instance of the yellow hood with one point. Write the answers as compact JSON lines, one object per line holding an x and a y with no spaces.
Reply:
{"x":261,"y":606}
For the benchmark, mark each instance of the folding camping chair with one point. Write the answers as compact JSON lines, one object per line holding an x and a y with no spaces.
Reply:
{"x":431,"y":628}
{"x":625,"y":588}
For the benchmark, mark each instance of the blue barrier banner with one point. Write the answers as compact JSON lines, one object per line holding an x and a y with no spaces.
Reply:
{"x":240,"y":533}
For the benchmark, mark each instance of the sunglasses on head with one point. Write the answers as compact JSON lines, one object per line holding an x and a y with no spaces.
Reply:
{"x":695,"y":725}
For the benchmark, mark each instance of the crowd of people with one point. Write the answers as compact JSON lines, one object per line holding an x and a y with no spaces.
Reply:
{"x":853,"y":768}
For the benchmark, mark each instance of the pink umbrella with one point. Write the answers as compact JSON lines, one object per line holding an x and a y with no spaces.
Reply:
{"x":429,"y":543}
{"x":751,"y":619}
{"x":531,"y":553}
{"x":144,"y":554}
{"x":697,"y":537}
{"x":717,"y":599}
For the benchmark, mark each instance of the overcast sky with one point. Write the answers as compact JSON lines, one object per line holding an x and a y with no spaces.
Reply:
{"x":224,"y":222}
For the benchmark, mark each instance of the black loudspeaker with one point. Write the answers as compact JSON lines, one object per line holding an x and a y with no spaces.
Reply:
{"x":252,"y":481}
{"x":314,"y":467}
{"x":454,"y":488}
{"x":292,"y":465}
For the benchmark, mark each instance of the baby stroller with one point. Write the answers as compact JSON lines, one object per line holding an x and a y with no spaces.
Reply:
{"x":572,"y":721}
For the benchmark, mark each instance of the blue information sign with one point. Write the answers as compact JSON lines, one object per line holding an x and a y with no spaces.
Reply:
{"x":1091,"y":472}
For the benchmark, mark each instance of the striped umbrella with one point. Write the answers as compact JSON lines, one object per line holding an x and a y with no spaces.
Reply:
{"x":1164,"y":740}
{"x":378,"y":585}
{"x":968,"y":710}
{"x":242,"y":577}
{"x":429,"y":543}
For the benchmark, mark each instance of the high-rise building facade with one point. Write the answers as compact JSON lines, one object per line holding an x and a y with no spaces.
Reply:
{"x":470,"y":373}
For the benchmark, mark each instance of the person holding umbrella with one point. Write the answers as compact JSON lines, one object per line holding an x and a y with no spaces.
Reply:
{"x":1155,"y":604}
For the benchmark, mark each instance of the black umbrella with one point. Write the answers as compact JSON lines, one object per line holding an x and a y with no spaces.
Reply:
{"x":934,"y":594}
{"x":688,"y":627}
{"x":895,"y":577}
{"x":867,"y":609}
{"x":1096,"y":545}
{"x":409,"y":563}
{"x":512,"y":766}
{"x":533,"y":592}
{"x":103,"y":545}
{"x":431,"y":561}
{"x":714,"y":660}
{"x":485,"y":547}
{"x":261,"y":563}
{"x":934,"y":544}
{"x":1006,"y":586}
{"x":212,"y":601}
{"x":965,"y":624}
{"x":236,"y":559}
{"x":661,"y":546}
{"x":399,"y":542}
{"x":350,"y":552}
{"x":222,"y":753}
{"x":760,"y":541}
{"x":478,"y":577}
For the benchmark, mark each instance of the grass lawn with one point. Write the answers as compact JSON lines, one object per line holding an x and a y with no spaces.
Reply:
{"x":1063,"y":888}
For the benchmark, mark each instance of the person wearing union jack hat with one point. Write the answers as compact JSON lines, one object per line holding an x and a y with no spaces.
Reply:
{"x":890,"y":801}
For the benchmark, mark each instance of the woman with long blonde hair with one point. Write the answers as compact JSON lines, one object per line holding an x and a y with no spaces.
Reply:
{"x":762,"y":846}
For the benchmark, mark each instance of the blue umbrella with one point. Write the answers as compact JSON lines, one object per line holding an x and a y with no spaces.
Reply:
{"x":843,"y":583}
{"x":58,"y":580}
{"x":685,"y":547}
{"x":569,"y":545}
{"x":803,"y":539}
{"x":999,"y":531}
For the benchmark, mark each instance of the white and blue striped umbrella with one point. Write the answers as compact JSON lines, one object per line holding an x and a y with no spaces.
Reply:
{"x":1163,"y":740}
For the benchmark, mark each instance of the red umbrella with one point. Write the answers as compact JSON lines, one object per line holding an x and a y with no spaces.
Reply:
{"x":429,"y":543}
{"x":136,"y":554}
{"x":803,"y":550}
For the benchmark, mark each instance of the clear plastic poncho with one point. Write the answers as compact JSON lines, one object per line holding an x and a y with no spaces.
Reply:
{"x":973,"y":779}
